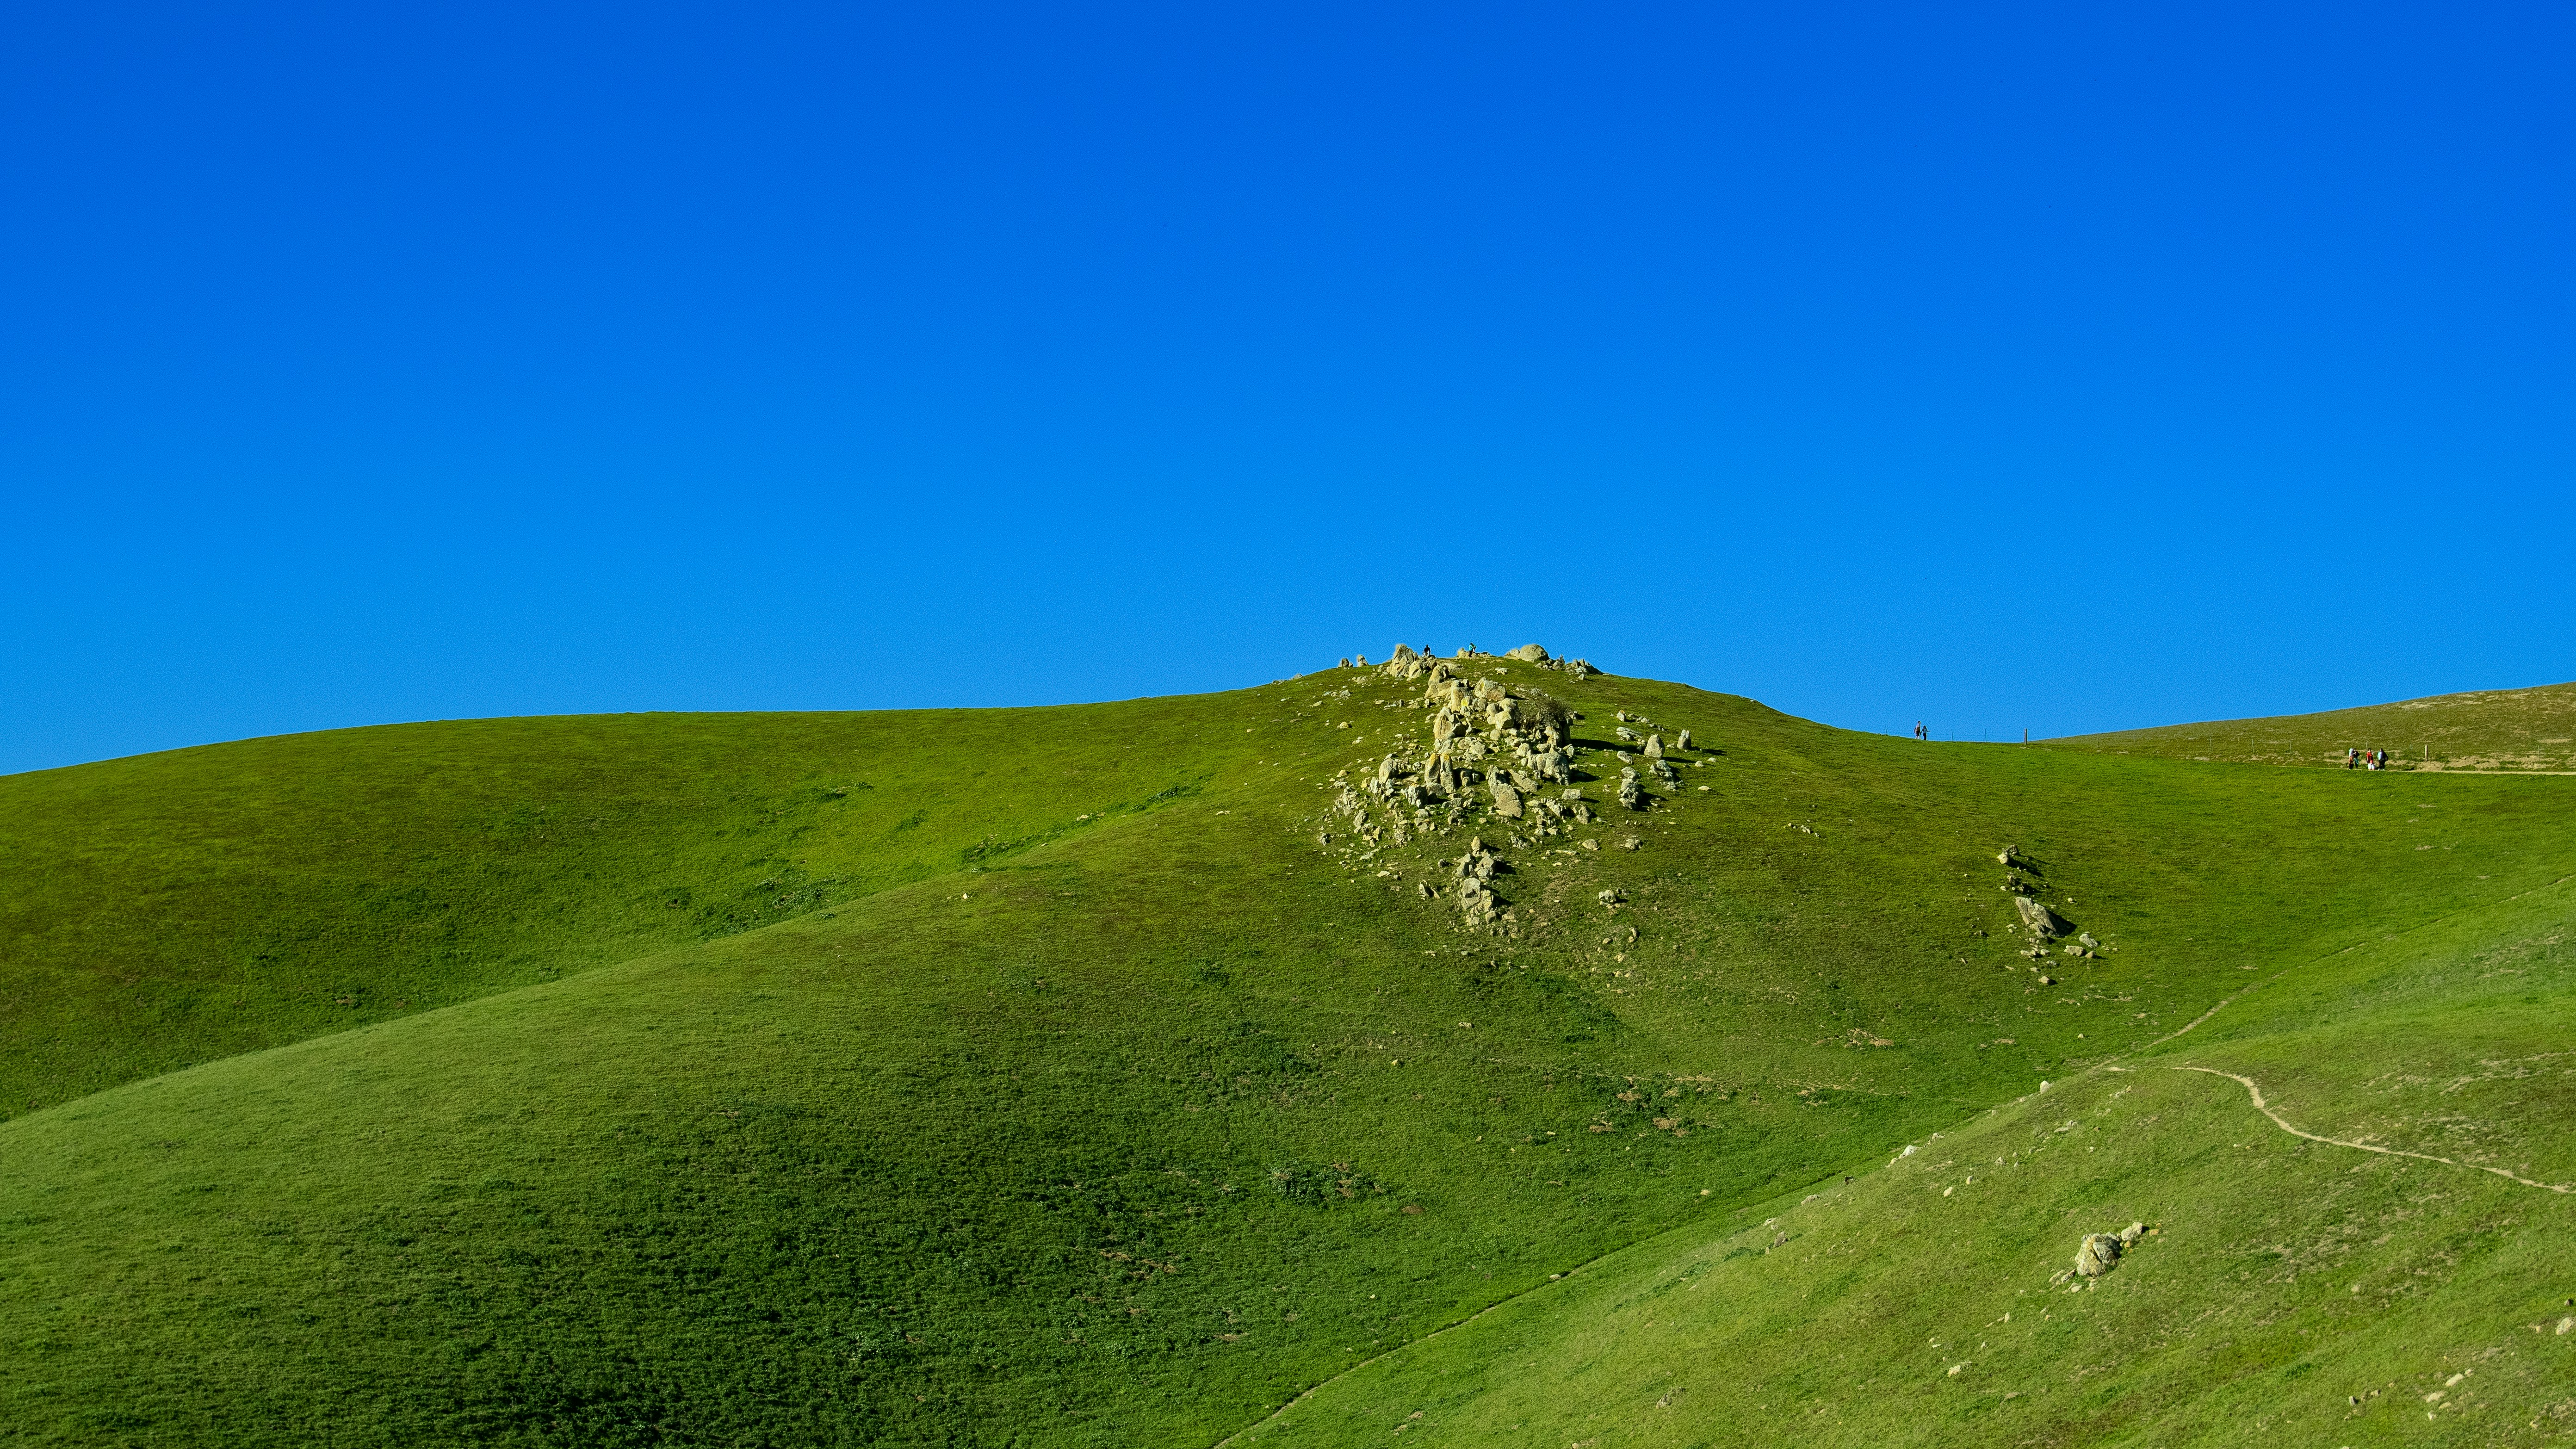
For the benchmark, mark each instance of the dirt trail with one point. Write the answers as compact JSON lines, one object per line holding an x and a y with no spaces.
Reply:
{"x":2283,"y":1123}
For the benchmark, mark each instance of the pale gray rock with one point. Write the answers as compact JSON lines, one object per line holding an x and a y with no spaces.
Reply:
{"x":2095,"y":1255}
{"x":1529,"y":652}
{"x":2039,"y":920}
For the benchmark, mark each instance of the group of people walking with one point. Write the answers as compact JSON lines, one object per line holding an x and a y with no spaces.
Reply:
{"x":2365,"y":759}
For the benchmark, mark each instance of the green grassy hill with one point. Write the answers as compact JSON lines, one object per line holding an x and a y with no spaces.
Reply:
{"x":1083,"y":1077}
{"x":2494,"y":729}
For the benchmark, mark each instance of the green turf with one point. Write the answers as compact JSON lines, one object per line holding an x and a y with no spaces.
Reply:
{"x":2527,"y":730}
{"x":1122,"y":1131}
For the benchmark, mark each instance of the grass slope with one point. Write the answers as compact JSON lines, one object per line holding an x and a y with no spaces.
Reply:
{"x":184,"y":906}
{"x":1129,"y":1133}
{"x":2293,"y":1291}
{"x":2493,"y":729}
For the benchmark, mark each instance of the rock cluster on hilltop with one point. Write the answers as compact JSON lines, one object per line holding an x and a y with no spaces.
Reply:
{"x":1489,"y":751}
{"x":1408,"y":662}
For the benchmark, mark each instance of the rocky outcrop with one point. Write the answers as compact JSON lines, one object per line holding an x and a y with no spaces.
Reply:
{"x":1528,"y":653}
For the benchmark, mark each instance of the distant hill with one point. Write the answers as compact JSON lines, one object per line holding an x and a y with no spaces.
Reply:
{"x":1116,"y":1075}
{"x":2494,"y":729}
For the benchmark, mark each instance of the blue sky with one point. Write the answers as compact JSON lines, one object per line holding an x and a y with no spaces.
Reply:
{"x":1998,"y":366}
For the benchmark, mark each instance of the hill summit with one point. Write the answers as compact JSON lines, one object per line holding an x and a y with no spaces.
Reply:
{"x":1479,"y":1048}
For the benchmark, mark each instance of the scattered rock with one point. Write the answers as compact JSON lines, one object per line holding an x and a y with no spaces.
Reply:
{"x":1507,"y":801}
{"x":1530,"y":653}
{"x":2039,"y":920}
{"x":2087,"y":942}
{"x":2095,"y":1255}
{"x":1629,"y":795}
{"x":1654,"y":747}
{"x":1682,"y":741}
{"x":2009,"y":855}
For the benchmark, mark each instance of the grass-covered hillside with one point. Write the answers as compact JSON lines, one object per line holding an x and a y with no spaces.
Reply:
{"x":1114,"y":1075}
{"x":2493,"y":729}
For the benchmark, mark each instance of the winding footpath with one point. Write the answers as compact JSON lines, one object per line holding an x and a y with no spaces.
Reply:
{"x":2283,"y":1123}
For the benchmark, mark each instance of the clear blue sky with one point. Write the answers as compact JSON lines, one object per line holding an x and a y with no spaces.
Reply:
{"x":1999,"y":366}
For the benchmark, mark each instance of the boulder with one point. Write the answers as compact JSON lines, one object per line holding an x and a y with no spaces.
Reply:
{"x":1628,"y":794}
{"x":1507,"y":801}
{"x":1529,"y":652}
{"x":2008,"y":856}
{"x":1682,"y":741}
{"x":2039,"y":920}
{"x":1654,"y":747}
{"x":2095,"y":1255}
